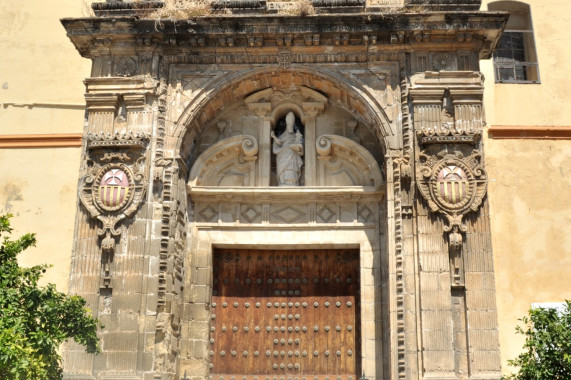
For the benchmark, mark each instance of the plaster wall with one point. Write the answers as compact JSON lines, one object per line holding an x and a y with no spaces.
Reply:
{"x":529,"y":179}
{"x":38,"y":62}
{"x":41,"y":92}
{"x":543,"y":104}
{"x":39,"y":187}
{"x":531,"y":219}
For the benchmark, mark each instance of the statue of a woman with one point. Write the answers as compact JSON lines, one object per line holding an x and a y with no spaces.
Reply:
{"x":288,"y":148}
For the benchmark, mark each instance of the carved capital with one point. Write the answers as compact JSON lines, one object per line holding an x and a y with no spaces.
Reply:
{"x":117,"y":140}
{"x":101,"y":102}
{"x":312,"y":109}
{"x":447,"y":134}
{"x":260,"y":109}
{"x":135,"y":102}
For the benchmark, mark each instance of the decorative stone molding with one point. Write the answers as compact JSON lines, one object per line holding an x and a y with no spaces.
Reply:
{"x":124,"y":8}
{"x":113,"y":187}
{"x":301,"y":206}
{"x":384,"y":28}
{"x":240,"y":5}
{"x":397,"y":162}
{"x":445,"y":5}
{"x":117,"y":140}
{"x":446,"y":134}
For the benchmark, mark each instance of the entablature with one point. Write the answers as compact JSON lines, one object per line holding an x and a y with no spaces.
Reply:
{"x":402,"y":31}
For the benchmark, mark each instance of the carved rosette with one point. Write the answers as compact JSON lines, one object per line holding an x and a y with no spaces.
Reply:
{"x":113,"y":187}
{"x":452,"y":185}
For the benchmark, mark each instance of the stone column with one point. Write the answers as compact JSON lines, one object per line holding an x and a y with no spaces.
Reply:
{"x":311,"y":110}
{"x":263,"y":110}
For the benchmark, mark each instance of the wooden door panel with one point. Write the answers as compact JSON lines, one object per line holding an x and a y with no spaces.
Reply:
{"x":285,"y":314}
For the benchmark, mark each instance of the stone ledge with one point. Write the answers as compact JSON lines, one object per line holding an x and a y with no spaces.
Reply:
{"x":498,"y":132}
{"x":301,"y":194}
{"x":237,"y":5}
{"x":56,"y":140}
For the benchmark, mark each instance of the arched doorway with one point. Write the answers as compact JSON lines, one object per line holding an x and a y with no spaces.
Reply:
{"x":323,"y":240}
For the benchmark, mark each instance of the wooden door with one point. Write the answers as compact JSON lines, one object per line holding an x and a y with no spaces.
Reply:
{"x":285,"y":314}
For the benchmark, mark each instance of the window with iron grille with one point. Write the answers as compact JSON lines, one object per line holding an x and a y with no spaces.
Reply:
{"x":515,"y":59}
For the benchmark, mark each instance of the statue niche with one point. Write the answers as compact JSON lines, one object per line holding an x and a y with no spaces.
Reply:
{"x":288,"y":149}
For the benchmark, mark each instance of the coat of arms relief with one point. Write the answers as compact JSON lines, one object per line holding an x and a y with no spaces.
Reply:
{"x":113,"y":187}
{"x":450,"y":172}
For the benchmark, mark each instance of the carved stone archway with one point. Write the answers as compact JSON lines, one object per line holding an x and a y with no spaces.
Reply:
{"x":396,"y":171}
{"x":342,"y":205}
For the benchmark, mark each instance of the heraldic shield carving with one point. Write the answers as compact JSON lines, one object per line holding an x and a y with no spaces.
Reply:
{"x":113,"y":187}
{"x":452,"y":185}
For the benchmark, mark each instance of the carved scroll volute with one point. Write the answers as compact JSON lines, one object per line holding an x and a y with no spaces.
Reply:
{"x":113,"y":187}
{"x":343,"y":162}
{"x":229,"y":162}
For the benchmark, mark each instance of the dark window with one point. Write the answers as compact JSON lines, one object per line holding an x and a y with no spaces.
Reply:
{"x":515,"y":60}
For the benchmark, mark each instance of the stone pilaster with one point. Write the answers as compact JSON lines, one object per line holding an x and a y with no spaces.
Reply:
{"x":457,"y":312}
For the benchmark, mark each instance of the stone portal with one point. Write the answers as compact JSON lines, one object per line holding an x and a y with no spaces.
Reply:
{"x":393,"y":168}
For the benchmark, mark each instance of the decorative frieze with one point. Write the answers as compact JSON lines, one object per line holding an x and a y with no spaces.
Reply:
{"x":291,"y":206}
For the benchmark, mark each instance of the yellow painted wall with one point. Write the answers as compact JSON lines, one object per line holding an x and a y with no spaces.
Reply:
{"x":530,"y":183}
{"x":41,"y":86}
{"x":530,"y":197}
{"x":537,"y":104}
{"x":39,"y":186}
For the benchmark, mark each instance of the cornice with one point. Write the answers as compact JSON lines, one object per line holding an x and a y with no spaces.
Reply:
{"x":457,"y":30}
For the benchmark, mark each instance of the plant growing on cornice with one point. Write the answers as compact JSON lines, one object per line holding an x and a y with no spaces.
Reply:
{"x":547,"y":348}
{"x":35,"y":320}
{"x":300,"y":8}
{"x":185,"y":9}
{"x":180,"y":10}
